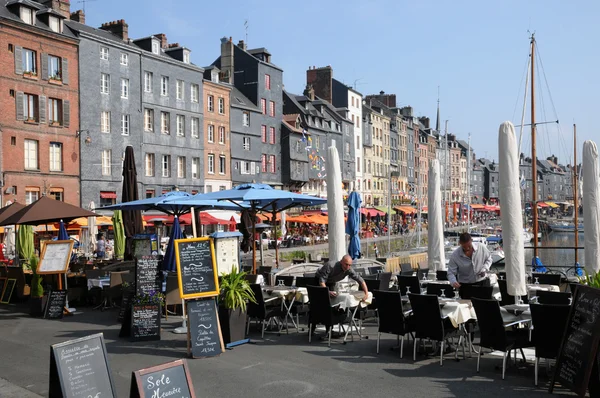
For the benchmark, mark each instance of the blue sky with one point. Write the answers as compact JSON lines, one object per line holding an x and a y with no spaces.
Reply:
{"x":475,"y":51}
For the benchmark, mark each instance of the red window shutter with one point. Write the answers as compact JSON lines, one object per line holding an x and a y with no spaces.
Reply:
{"x":263,"y":103}
{"x":264,"y":163}
{"x":263,"y":133}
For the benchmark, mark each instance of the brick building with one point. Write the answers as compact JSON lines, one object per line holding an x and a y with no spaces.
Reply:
{"x":39,"y":149}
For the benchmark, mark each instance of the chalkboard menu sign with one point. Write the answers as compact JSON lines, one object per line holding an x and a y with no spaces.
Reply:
{"x":142,"y":247}
{"x":196,"y":268}
{"x":126,"y":300}
{"x":204,"y":330}
{"x":145,"y":322}
{"x":579,"y":347}
{"x":147,"y":275}
{"x":8,"y":290}
{"x":167,"y":380}
{"x":57,"y":299}
{"x":55,"y":257}
{"x":79,"y":368}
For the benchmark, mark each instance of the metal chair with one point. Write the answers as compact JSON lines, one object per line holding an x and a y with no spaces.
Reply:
{"x":546,"y":279}
{"x":406,"y":269}
{"x":391,"y":317}
{"x":549,"y":323}
{"x":505,"y":298}
{"x":441,"y":275}
{"x":438,"y":288}
{"x":322,"y":312}
{"x":412,"y":282}
{"x":467,"y":292}
{"x":303,"y":281}
{"x":493,"y":333}
{"x":287,"y":280}
{"x":557,"y":298}
{"x":375,"y":270}
{"x":261,"y":312}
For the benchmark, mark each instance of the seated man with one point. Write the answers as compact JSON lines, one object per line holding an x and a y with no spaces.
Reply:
{"x":328,"y":276}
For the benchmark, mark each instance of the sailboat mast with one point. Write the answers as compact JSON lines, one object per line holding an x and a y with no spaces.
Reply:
{"x":469,"y":185}
{"x":447,"y":185}
{"x":575,"y":193}
{"x":534,"y":195}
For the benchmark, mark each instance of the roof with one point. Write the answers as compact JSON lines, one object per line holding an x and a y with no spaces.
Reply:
{"x":291,"y":118}
{"x":29,"y":3}
{"x":239,"y":100}
{"x":260,"y":50}
{"x":290,"y":126}
{"x":5,"y":13}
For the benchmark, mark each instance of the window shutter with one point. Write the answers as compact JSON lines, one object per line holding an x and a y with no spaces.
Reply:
{"x":252,"y":168}
{"x":18,"y":60}
{"x":42,"y":109}
{"x":65,"y":71}
{"x":66,"y":108}
{"x":44,"y":59}
{"x":20,"y":114}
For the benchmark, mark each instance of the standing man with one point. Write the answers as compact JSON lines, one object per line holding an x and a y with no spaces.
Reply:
{"x":328,"y":276}
{"x":100,"y":247}
{"x":469,"y":264}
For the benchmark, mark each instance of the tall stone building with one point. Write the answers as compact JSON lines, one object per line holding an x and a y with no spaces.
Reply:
{"x":39,"y":121}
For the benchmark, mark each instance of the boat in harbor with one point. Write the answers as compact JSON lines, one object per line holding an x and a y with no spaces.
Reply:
{"x":565,"y":227}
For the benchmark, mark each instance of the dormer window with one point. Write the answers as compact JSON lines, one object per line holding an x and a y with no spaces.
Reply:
{"x":155,"y":47}
{"x":55,"y":24}
{"x":186,"y":57}
{"x":27,"y":15}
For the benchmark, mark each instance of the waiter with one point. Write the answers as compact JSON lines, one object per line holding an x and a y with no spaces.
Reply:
{"x":328,"y":276}
{"x":469,"y":264}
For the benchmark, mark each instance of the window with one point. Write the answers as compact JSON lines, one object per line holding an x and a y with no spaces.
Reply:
{"x":263,"y":133}
{"x":186,"y":58}
{"x":211,"y":103}
{"x":208,"y":189}
{"x":347,"y":148}
{"x":105,"y":122}
{"x":267,"y":82}
{"x":180,"y":126}
{"x":263,"y":163}
{"x":272,"y":163}
{"x":180,"y":167}
{"x":165,"y":122}
{"x":150,"y":193}
{"x":195,"y":127}
{"x":211,"y":164}
{"x":155,"y":47}
{"x":106,"y":159}
{"x":54,"y":68}
{"x":148,"y":82}
{"x":30,"y":107}
{"x":124,"y":88}
{"x":57,"y":194}
{"x":104,"y":53}
{"x":246,"y":119}
{"x":166,"y":165}
{"x":195,"y":168}
{"x":358,"y":165}
{"x":31,"y":195}
{"x":124,"y":59}
{"x":55,"y":156}
{"x":28,"y":61}
{"x":180,"y":89}
{"x":263,"y":106}
{"x":31,"y":155}
{"x":222,"y":106}
{"x":221,"y":135}
{"x":271,"y":135}
{"x":194,"y":92}
{"x":272,"y":108}
{"x":104,"y":83}
{"x":125,"y":124}
{"x":54,"y":111}
{"x":164,"y":85}
{"x":222,"y":162}
{"x":245,"y":168}
{"x":211,"y":133}
{"x":149,"y":165}
{"x":27,"y":15}
{"x":246,"y":143}
{"x":149,"y":119}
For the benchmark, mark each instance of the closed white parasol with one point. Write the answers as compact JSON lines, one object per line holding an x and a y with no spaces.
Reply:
{"x":591,"y":207}
{"x":335,"y":206}
{"x":435,"y":230}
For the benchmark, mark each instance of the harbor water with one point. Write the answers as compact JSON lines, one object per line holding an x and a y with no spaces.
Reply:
{"x":562,"y":253}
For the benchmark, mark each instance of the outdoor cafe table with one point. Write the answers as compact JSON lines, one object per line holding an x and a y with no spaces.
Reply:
{"x":351,"y":301}
{"x":288,"y":295}
{"x":532,"y":288}
{"x":100,"y":282}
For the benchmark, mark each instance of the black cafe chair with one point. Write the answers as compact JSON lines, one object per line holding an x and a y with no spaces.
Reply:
{"x":438,"y":288}
{"x":441,"y":275}
{"x":505,"y":298}
{"x":546,"y":279}
{"x":251,"y":278}
{"x":411,"y":282}
{"x":391,"y":317}
{"x":466,"y":292}
{"x":493,"y":332}
{"x":322,"y":312}
{"x":287,"y":280}
{"x":406,"y":269}
{"x":384,"y":279}
{"x":261,"y":312}
{"x":429,"y":323}
{"x":549,"y":323}
{"x":303,"y":281}
{"x":558,"y":298}
{"x":375,"y":270}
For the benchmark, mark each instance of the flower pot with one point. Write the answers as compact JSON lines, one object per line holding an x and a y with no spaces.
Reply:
{"x":233,"y":324}
{"x":36,"y":306}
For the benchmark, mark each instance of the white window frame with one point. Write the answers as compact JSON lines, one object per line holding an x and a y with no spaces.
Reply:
{"x":194,"y":92}
{"x":149,"y":119}
{"x":165,"y":123}
{"x":104,"y":83}
{"x":210,"y":103}
{"x":31,"y":195}
{"x":104,"y":53}
{"x":125,"y":124}
{"x":124,"y":88}
{"x":29,"y":61}
{"x":211,"y":164}
{"x":166,"y":165}
{"x":246,"y":119}
{"x":148,"y":77}
{"x":195,"y":127}
{"x":222,"y":164}
{"x":54,"y":111}
{"x":31,"y":155}
{"x":105,"y":122}
{"x":210,"y":133}
{"x":155,"y":47}
{"x":164,"y":86}
{"x":31,"y":107}
{"x":54,"y":67}
{"x":124,"y":59}
{"x":222,"y":134}
{"x":181,"y":166}
{"x":246,"y":143}
{"x":180,"y":122}
{"x":150,"y":159}
{"x":195,"y":168}
{"x":180,"y":89}
{"x":55,"y":149}
{"x":221,"y":105}
{"x":27,"y":15}
{"x":106,"y":162}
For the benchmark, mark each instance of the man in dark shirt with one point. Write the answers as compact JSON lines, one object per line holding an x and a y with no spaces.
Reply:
{"x":328,"y":276}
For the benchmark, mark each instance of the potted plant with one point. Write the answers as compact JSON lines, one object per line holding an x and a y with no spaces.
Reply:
{"x":233,"y":299}
{"x":37,"y":291}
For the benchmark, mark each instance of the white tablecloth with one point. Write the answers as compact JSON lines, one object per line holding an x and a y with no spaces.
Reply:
{"x":461,"y":311}
{"x":532,"y":288}
{"x":351,"y":299}
{"x":101,"y":283}
{"x":300,"y":294}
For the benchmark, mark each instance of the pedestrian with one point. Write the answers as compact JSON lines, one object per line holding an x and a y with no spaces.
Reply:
{"x":469,"y":264}
{"x":100,"y":247}
{"x":376,"y":250}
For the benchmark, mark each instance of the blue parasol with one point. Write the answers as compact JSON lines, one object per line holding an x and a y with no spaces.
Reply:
{"x":169,"y":259}
{"x":537,"y":265}
{"x":353,"y":225}
{"x":62,"y":231}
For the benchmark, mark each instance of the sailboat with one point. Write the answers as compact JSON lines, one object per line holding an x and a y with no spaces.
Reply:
{"x":570,"y":226}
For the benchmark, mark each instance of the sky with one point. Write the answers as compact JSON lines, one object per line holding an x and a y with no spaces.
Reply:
{"x":475,"y":52}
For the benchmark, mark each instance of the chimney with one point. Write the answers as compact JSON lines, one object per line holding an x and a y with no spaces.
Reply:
{"x":309,"y":92}
{"x":242,"y":45}
{"x":117,"y":28}
{"x":173,"y":45}
{"x":321,"y":80}
{"x":381,"y":92}
{"x":61,"y":6}
{"x":227,"y":65}
{"x":78,"y":16}
{"x":163,"y":40}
